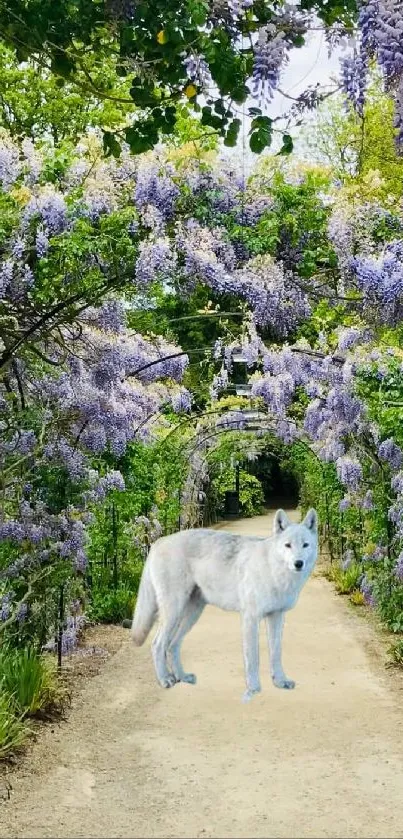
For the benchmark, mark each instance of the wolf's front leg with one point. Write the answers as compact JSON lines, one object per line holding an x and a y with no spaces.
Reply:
{"x":250,"y":636}
{"x":274,"y":626}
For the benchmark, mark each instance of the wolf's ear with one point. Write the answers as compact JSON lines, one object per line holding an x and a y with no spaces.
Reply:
{"x":311,"y":520}
{"x":281,"y":521}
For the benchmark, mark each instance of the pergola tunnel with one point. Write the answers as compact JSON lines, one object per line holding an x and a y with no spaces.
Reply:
{"x":249,"y":484}
{"x":199,"y":321}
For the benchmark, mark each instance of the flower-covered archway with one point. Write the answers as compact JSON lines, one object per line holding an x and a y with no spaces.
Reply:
{"x":104,"y":273}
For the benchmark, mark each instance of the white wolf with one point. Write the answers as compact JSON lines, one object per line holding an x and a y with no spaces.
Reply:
{"x":258,"y":577}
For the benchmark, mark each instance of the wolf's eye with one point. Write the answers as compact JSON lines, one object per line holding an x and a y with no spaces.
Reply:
{"x":288,"y":545}
{"x":305,"y":545}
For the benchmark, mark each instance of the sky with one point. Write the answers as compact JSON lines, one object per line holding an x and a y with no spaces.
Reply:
{"x":307,"y":66}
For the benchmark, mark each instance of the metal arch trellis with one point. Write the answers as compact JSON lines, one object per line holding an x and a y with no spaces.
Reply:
{"x":228,"y":429}
{"x":298,"y":441}
{"x":248,"y":429}
{"x":231,"y":427}
{"x":218,"y":433}
{"x":336,"y":359}
{"x":186,"y":421}
{"x":215,"y":434}
{"x":218,"y":411}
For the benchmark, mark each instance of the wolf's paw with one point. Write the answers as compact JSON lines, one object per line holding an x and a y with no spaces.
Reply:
{"x":286,"y":684}
{"x":189,"y":678}
{"x":169,"y":681}
{"x":249,"y":694}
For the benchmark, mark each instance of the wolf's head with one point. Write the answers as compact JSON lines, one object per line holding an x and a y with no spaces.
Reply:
{"x":296,"y":544}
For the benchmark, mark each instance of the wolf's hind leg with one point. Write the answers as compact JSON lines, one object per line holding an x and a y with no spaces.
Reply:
{"x":191,"y":614}
{"x":170,"y":621}
{"x":274,"y":627}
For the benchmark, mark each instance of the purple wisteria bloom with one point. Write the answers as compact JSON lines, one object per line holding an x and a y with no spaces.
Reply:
{"x":41,"y":243}
{"x":348,"y":338}
{"x":5,"y":606}
{"x":270,"y":56}
{"x":6,"y":275}
{"x":181,"y":401}
{"x":367,"y":590}
{"x":367,"y":23}
{"x":10,"y":166}
{"x":156,"y":188}
{"x":51,"y":208}
{"x":156,"y":260}
{"x":398,"y":569}
{"x":349,"y":471}
{"x":397,"y":483}
{"x":367,"y":502}
{"x":391,"y":453}
{"x":354,"y":71}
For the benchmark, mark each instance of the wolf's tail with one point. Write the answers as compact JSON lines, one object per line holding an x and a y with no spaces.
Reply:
{"x":146,"y":608}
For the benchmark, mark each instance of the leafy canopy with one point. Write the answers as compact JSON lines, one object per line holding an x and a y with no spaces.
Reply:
{"x":150,"y":45}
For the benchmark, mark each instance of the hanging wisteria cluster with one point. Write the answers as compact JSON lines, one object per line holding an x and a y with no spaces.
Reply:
{"x":380,"y":35}
{"x":369,"y":262}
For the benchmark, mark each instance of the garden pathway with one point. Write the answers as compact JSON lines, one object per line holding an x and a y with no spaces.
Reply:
{"x":325,"y":760}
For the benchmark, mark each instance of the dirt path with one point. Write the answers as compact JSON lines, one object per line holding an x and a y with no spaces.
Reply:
{"x":325,"y":760}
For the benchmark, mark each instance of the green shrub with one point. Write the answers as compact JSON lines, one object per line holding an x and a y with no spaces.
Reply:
{"x":389,"y":598}
{"x":111,"y":606}
{"x":396,"y":653}
{"x":357,"y":598}
{"x":251,"y":496}
{"x":346,"y":581}
{"x":30,"y":681}
{"x":13,"y":731}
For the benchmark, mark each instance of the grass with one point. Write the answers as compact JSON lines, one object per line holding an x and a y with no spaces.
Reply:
{"x":29,"y":687}
{"x":345,"y":581}
{"x":395,"y":653}
{"x":357,"y":598}
{"x":13,"y":729}
{"x":30,"y":681}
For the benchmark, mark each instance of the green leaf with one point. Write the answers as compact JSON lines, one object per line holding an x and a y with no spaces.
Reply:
{"x":141,"y":137}
{"x":287,"y":146}
{"x":111,"y":145}
{"x":62,"y":64}
{"x":167,"y":121}
{"x":240,"y":93}
{"x":262,"y":122}
{"x":198,"y":12}
{"x":231,"y":136}
{"x":213,"y":120}
{"x":143,"y":96}
{"x":260,"y":134}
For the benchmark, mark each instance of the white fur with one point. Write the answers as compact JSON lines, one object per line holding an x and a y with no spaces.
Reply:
{"x":254,"y":576}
